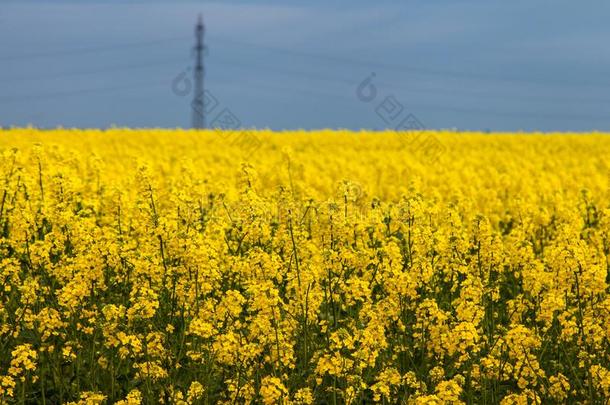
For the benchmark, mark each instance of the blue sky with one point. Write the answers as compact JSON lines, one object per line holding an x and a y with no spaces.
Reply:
{"x":481,"y":65}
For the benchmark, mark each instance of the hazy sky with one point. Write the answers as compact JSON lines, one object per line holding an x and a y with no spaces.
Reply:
{"x":498,"y":65}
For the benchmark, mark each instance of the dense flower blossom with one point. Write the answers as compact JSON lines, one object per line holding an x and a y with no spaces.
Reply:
{"x":172,"y":267}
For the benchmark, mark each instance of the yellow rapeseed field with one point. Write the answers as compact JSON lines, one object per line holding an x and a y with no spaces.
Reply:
{"x":184,"y":267}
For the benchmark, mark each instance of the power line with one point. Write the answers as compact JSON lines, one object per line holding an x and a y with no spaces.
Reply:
{"x":281,"y":70}
{"x":199,"y":88}
{"x":409,"y":88}
{"x":80,"y":51}
{"x":112,"y":68}
{"x":314,"y":93}
{"x":317,"y":94}
{"x":69,"y":93}
{"x":477,"y":111}
{"x":410,"y":68}
{"x":320,"y":77}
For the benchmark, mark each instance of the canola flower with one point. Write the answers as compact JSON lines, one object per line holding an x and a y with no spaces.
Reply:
{"x":174,"y":267}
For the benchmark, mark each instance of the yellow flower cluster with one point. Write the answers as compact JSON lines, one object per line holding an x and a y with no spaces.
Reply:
{"x":172,"y":267}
